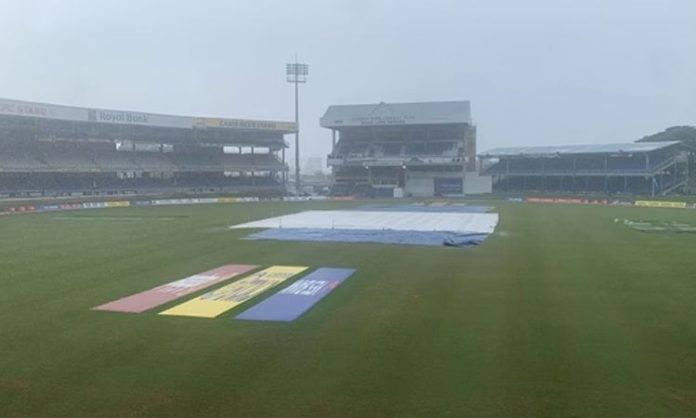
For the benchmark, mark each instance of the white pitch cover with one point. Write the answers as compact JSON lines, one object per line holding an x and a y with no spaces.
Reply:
{"x":482,"y":223}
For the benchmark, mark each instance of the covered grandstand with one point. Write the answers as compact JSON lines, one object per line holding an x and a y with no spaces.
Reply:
{"x":419,"y":149}
{"x":647,"y":168}
{"x":686,"y":136}
{"x":52,"y":150}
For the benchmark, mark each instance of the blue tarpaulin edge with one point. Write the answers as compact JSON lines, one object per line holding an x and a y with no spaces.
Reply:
{"x":432,"y":238}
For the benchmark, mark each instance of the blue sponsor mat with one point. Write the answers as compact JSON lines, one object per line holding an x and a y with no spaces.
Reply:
{"x":453,"y":208}
{"x":433,"y":238}
{"x":290,"y":303}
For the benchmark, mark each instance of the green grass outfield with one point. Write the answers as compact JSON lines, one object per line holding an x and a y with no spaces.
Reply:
{"x":563,"y":313}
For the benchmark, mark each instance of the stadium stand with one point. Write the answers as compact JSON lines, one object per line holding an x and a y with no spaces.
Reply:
{"x":107,"y":158}
{"x":414,"y":149}
{"x":18,"y":158}
{"x":65,"y":157}
{"x":686,"y":136}
{"x":157,"y":162}
{"x":51,"y":150}
{"x":634,"y":168}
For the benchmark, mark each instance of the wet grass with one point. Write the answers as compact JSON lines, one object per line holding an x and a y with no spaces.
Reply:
{"x":563,"y":313}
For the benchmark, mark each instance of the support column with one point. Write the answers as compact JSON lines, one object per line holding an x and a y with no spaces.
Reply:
{"x":575,"y":175}
{"x":662,"y":183}
{"x":606,"y":174}
{"x":297,"y":138}
{"x":507,"y":176}
{"x":653,"y":186}
{"x":543,"y":175}
{"x":285,"y":171}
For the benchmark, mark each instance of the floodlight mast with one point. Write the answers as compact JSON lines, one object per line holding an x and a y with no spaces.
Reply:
{"x":297,"y":73}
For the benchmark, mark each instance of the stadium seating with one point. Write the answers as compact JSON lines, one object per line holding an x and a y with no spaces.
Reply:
{"x":65,"y":157}
{"x":67,"y":168}
{"x":266,"y":161}
{"x":112,"y":160}
{"x":17,"y":158}
{"x":152,"y":161}
{"x":195,"y":160}
{"x":638,"y":172}
{"x":391,"y":149}
{"x":56,"y":152}
{"x":583,"y":164}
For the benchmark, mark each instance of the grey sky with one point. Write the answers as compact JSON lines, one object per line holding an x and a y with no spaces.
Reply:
{"x":536,"y":71}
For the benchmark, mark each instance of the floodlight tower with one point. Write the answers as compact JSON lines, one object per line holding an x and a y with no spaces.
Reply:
{"x":297,"y":73}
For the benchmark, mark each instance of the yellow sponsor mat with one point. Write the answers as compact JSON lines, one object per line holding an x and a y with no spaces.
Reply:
{"x":212,"y":304}
{"x":660,"y":204}
{"x":117,"y":204}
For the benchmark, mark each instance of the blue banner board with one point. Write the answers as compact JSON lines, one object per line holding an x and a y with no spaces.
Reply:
{"x":291,"y":302}
{"x":445,"y":186}
{"x":141,"y":202}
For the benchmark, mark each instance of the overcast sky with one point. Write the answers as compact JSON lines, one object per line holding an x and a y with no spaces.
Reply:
{"x":537,"y":72}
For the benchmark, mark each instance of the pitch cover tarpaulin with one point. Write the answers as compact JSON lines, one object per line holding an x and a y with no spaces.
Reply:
{"x":468,"y":223}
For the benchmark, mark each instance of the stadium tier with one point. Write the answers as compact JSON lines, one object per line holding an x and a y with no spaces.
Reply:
{"x":633,"y":168}
{"x":414,"y":149}
{"x":52,"y":150}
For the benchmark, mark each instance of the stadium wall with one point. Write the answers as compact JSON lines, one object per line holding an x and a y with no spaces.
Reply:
{"x":54,"y":207}
{"x":429,"y":184}
{"x":477,"y":184}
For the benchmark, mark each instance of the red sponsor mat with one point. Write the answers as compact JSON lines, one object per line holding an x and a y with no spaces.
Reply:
{"x":149,"y":299}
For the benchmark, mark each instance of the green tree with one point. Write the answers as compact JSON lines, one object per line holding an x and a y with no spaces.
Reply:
{"x":675,"y":133}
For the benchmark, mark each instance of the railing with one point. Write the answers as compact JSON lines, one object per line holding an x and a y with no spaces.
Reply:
{"x":501,"y":169}
{"x":394,"y":161}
